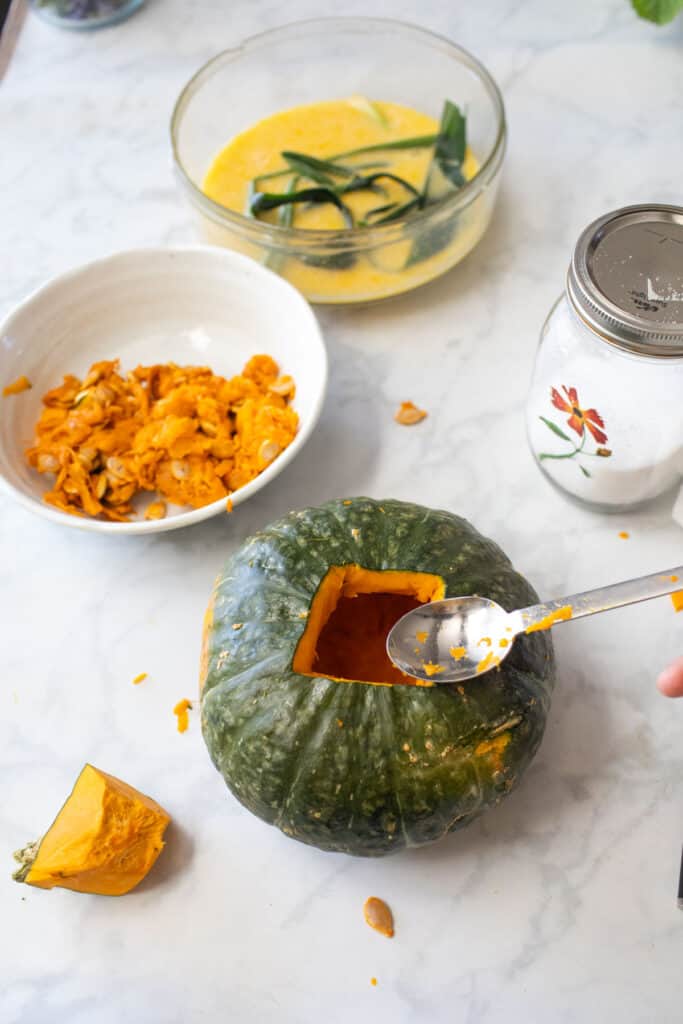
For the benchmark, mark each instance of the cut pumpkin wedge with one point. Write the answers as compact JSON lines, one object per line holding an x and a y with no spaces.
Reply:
{"x":104,"y":840}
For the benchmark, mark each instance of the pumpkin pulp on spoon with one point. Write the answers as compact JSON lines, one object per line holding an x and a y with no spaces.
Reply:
{"x":350,"y":618}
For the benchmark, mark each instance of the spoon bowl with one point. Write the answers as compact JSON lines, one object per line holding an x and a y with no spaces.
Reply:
{"x":451,"y":640}
{"x":462,"y":637}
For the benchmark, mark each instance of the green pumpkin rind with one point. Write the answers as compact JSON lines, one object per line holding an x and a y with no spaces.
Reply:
{"x":406,"y":765}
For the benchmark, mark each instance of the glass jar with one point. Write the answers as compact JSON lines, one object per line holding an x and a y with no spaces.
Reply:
{"x":605,"y":410}
{"x":85,"y":14}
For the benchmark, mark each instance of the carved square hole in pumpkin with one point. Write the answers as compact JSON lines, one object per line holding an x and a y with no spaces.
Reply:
{"x":350,"y":618}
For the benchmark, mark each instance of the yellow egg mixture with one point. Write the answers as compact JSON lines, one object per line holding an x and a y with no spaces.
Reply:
{"x":326,"y":130}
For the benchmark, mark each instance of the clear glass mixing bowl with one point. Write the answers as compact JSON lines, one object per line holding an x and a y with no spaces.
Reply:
{"x":332,"y":58}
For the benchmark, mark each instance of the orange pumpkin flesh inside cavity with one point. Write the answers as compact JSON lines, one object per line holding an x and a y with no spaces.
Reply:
{"x":350,"y":618}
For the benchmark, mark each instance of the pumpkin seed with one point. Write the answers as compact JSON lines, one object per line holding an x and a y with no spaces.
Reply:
{"x":180,"y":470}
{"x":116,"y":468}
{"x":378,"y":915}
{"x":93,"y":376}
{"x":88,"y":457}
{"x":268,"y":451}
{"x":47,"y":463}
{"x":282,"y":386}
{"x":104,"y":394}
{"x":101,"y":484}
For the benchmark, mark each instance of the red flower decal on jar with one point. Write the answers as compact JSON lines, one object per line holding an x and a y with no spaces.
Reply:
{"x":580,"y":419}
{"x":584,"y":422}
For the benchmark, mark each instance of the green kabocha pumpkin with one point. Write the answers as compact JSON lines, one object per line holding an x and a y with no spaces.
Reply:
{"x":312,"y":727}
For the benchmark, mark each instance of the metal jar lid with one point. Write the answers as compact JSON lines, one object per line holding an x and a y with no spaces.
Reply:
{"x":625,"y":279}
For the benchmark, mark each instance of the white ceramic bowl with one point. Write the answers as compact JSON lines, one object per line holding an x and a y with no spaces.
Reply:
{"x":198,"y":305}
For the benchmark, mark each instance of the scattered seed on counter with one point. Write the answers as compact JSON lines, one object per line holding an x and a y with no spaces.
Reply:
{"x":378,"y":915}
{"x":408,"y":414}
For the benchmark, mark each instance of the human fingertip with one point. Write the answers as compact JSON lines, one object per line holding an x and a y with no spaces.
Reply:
{"x":670,"y":682}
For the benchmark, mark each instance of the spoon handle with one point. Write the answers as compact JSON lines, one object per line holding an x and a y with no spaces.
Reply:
{"x":603,"y":599}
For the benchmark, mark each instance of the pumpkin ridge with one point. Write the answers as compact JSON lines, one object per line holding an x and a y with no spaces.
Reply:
{"x":390,"y":727}
{"x":310,"y":539}
{"x":407,"y":540}
{"x":227,"y":683}
{"x":228,"y":756}
{"x":525,"y":679}
{"x":342,"y":514}
{"x":252,"y":586}
{"x":402,"y":821}
{"x":300,"y":761}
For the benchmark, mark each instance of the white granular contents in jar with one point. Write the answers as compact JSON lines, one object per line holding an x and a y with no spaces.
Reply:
{"x":639,"y":399}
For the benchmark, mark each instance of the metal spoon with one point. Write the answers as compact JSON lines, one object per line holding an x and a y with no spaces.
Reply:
{"x":462,"y":637}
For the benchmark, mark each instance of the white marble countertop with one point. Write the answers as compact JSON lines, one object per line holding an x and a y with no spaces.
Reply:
{"x":560,"y":905}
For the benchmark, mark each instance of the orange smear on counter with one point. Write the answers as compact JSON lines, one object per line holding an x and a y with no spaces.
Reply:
{"x":140,"y":678}
{"x":624,"y":535}
{"x":559,"y":615}
{"x":431,"y":669}
{"x":421,"y":636}
{"x":677,"y":600}
{"x":674,"y":579}
{"x":373,"y":981}
{"x":458,"y":653}
{"x":17,"y":386}
{"x":180,"y":711}
{"x":503,"y":642}
{"x":490,"y":661}
{"x":485,"y":640}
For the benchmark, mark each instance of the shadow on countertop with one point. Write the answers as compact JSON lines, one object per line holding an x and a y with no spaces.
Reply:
{"x":173,"y":859}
